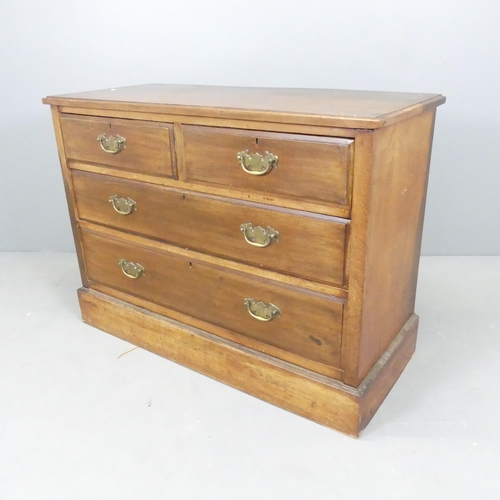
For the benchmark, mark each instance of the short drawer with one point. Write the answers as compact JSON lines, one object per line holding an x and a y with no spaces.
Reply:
{"x":139,"y":146}
{"x":296,"y":166}
{"x":303,"y":323}
{"x":287,"y":241}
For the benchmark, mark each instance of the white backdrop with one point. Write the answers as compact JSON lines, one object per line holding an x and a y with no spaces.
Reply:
{"x":443,"y":46}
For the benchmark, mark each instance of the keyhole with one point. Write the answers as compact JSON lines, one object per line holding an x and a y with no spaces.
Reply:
{"x":256,"y":140}
{"x":190,"y":264}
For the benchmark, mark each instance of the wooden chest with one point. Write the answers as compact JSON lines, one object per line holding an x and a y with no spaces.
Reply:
{"x":268,"y":238}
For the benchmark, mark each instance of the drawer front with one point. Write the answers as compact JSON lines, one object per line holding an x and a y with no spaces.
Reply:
{"x":308,"y":324}
{"x":138,"y":146}
{"x":291,"y":242}
{"x":297,"y":166}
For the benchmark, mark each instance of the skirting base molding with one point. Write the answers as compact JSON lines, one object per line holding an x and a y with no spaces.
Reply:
{"x":308,"y":394}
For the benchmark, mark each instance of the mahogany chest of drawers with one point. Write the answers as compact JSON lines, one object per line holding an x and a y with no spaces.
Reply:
{"x":268,"y":238}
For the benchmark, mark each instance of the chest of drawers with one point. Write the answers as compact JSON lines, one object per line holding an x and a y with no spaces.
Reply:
{"x":268,"y":238}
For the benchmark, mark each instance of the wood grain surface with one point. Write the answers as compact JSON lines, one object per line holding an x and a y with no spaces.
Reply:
{"x":259,"y":272}
{"x":212,"y":225}
{"x":309,"y":167}
{"x":243,"y":340}
{"x":70,"y":195}
{"x":347,"y":197}
{"x":304,"y":392}
{"x":387,"y":231}
{"x":374,"y":388}
{"x":313,"y":396}
{"x":149,"y":145}
{"x":310,"y":323}
{"x":343,"y":108}
{"x":221,"y":191}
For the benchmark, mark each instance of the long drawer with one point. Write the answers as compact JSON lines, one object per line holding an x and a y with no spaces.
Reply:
{"x":305,"y":323}
{"x":287,"y":241}
{"x":295,"y":166}
{"x":135,"y":145}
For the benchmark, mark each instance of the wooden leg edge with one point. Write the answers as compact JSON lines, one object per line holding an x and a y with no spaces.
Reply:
{"x":374,"y":389}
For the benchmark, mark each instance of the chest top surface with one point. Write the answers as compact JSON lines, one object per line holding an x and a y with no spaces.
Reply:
{"x":344,"y":108}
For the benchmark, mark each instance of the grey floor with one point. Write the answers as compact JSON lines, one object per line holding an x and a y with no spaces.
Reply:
{"x":84,"y":417}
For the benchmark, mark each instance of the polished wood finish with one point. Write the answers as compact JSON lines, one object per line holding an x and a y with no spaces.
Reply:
{"x":304,"y":392}
{"x":161,"y":246}
{"x":212,"y":225}
{"x":347,"y":198}
{"x":148,"y":148}
{"x":384,"y":263}
{"x":214,"y":121}
{"x":336,"y":108}
{"x":70,"y":195}
{"x":401,"y":158}
{"x":258,"y":345}
{"x":309,"y":167}
{"x":221,"y":191}
{"x":379,"y":381}
{"x":217,"y":295}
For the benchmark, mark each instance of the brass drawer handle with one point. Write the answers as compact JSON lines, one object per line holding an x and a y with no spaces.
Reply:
{"x":124,"y":206}
{"x":261,"y":311}
{"x":255,"y":163}
{"x":112,"y":144}
{"x":131,"y":270}
{"x":258,"y":236}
